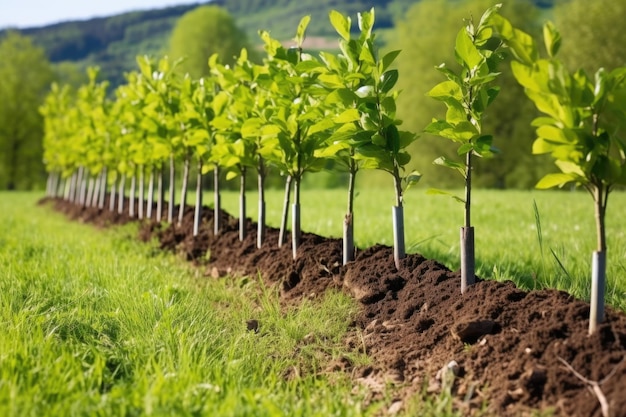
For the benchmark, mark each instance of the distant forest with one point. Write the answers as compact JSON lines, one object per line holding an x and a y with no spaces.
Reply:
{"x":112,"y":43}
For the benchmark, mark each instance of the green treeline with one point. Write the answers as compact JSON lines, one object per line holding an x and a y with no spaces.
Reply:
{"x":421,"y":29}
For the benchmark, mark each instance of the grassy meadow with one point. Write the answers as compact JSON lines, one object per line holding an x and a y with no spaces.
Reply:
{"x":96,"y":324}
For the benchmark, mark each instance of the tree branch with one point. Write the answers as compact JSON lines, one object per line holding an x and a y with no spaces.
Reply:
{"x":594,"y":386}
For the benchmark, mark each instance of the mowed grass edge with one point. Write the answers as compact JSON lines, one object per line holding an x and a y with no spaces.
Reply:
{"x":95,"y":323}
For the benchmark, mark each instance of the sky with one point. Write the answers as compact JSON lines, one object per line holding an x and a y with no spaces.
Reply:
{"x":29,"y":13}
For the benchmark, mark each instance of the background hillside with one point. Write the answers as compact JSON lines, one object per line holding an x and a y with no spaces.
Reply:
{"x":113,"y":42}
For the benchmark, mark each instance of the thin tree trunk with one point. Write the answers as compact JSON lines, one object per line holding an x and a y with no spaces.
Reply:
{"x":121,"y":198}
{"x":598,"y":260}
{"x":150,"y":201}
{"x":242,"y":205}
{"x":103,"y":188}
{"x":348,"y":222}
{"x":295,"y":218}
{"x":131,"y":198}
{"x":468,"y":277}
{"x":172,"y":190}
{"x":283,"y":220}
{"x":399,"y":251}
{"x":112,"y":195}
{"x":90,"y":188}
{"x":86,"y":202}
{"x":141,"y":192}
{"x":79,"y":186}
{"x":96,"y":191}
{"x":50,"y":184}
{"x":72,"y":188}
{"x":160,"y":195}
{"x":59,"y":192}
{"x":197,"y":217}
{"x":76,"y":190}
{"x":261,"y":220}
{"x":216,"y":201}
{"x":183,"y":190}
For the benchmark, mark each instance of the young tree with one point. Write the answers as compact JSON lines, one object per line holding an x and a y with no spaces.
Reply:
{"x":197,"y":136}
{"x":162,"y":103}
{"x":582,"y":128}
{"x":361,"y":87}
{"x":419,"y":33}
{"x":467,"y":94}
{"x":234,"y":151}
{"x":300,"y":118}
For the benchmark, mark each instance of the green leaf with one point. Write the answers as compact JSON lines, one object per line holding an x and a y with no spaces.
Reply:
{"x":251,"y":128}
{"x":366,"y":23}
{"x":367,"y":53}
{"x":341,"y":24}
{"x":465,"y":148}
{"x":321,"y":126}
{"x":435,"y":191}
{"x":488,"y":14}
{"x":551,"y":38}
{"x":343,"y":96}
{"x":388,"y":59}
{"x":347,"y":116}
{"x":379,"y":140}
{"x":600,"y":88}
{"x":412,"y":179}
{"x":403,"y":158}
{"x":540,"y":147}
{"x":466,"y":52}
{"x":388,"y":81}
{"x":331,"y":80}
{"x":450,"y":75}
{"x":301,"y":31}
{"x":331,"y":150}
{"x":555,"y":180}
{"x":460,"y":132}
{"x":568,"y":167}
{"x":523,"y":47}
{"x":554,"y":134}
{"x":310,"y":65}
{"x":445,"y":90}
{"x":448,"y":163}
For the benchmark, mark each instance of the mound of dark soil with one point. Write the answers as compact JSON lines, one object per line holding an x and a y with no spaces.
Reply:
{"x":514,"y":350}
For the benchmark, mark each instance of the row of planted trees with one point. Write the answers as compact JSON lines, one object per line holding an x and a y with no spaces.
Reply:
{"x":296,"y":112}
{"x":293,"y":113}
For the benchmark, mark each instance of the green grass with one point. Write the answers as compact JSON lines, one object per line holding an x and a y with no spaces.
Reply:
{"x":511,"y":244}
{"x":94,"y":323}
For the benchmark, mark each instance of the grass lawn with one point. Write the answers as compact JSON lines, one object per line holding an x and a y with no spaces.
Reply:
{"x":94,"y":323}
